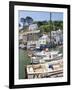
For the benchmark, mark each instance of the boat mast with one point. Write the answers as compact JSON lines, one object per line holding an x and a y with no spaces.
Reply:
{"x":50,"y":25}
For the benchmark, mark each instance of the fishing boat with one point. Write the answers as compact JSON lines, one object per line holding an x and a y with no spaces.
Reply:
{"x":53,"y":55}
{"x":48,"y":69}
{"x":43,"y":56}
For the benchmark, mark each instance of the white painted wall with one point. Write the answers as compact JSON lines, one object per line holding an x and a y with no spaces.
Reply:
{"x":4,"y":44}
{"x":33,"y":27}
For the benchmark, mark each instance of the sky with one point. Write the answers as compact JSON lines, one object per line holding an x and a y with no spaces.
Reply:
{"x":41,"y":15}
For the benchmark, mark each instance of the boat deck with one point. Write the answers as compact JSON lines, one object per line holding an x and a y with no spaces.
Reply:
{"x":43,"y":69}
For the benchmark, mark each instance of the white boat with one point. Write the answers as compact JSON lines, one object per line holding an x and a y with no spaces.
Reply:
{"x":54,"y":55}
{"x":49,"y":53}
{"x":42,"y":53}
{"x":22,"y":46}
{"x":46,"y":56}
{"x":44,"y":70}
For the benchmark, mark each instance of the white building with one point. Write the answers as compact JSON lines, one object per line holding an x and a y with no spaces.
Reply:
{"x":43,"y":40}
{"x":57,"y":36}
{"x":33,"y":27}
{"x":55,"y":33}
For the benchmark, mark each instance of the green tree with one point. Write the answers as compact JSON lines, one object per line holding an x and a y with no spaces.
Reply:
{"x":39,"y":23}
{"x":23,"y":21}
{"x":46,"y":28}
{"x":58,"y":25}
{"x":29,"y":20}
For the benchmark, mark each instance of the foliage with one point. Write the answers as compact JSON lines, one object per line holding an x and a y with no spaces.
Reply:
{"x":58,"y":25}
{"x":50,"y":26}
{"x":29,"y":20}
{"x":39,"y":23}
{"x":44,"y":26}
{"x":23,"y":21}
